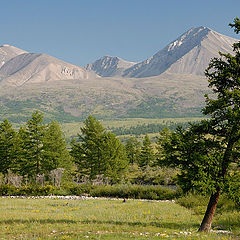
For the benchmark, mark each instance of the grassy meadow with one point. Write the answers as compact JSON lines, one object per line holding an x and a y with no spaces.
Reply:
{"x":73,"y":128}
{"x":105,"y":219}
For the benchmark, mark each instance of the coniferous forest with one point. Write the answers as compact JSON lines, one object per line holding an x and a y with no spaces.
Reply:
{"x":37,"y":153}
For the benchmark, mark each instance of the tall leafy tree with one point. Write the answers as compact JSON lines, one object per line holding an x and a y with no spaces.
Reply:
{"x":208,"y":153}
{"x":9,"y":147}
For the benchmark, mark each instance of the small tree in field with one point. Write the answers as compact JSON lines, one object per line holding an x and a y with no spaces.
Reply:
{"x":208,"y":153}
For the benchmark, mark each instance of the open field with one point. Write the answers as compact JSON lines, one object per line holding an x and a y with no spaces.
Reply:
{"x":105,"y":219}
{"x":72,"y":129}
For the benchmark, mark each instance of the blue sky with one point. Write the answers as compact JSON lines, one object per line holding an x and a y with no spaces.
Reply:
{"x":81,"y":31}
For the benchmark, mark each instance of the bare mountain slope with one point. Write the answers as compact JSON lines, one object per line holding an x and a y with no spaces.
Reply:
{"x":189,"y":54}
{"x":34,"y":67}
{"x":7,"y":52}
{"x":108,"y":66}
{"x":169,"y":84}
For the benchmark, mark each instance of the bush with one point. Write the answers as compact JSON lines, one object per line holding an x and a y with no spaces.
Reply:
{"x":134,"y":191}
{"x":198,"y":203}
{"x":26,"y":190}
{"x":118,"y":191}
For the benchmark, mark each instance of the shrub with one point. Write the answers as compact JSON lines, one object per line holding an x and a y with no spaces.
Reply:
{"x":134,"y":191}
{"x":26,"y":190}
{"x":198,"y":203}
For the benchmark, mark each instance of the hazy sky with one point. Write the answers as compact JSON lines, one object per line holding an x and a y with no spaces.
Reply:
{"x":81,"y":31}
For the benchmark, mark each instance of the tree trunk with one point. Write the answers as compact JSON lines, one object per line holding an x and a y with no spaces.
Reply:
{"x":208,"y":217}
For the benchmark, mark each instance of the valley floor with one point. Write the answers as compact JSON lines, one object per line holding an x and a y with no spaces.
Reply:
{"x":104,"y":219}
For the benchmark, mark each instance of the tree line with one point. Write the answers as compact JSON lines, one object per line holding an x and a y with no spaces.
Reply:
{"x":37,"y":149}
{"x":146,"y":128}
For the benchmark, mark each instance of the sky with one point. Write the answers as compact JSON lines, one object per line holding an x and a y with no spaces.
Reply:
{"x":82,"y":31}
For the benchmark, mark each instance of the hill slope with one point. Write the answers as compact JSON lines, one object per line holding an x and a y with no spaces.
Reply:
{"x":189,"y":54}
{"x":7,"y":52}
{"x":34,"y":67}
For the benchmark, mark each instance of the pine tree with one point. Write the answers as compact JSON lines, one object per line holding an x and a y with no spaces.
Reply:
{"x":9,"y":147}
{"x":98,"y":151}
{"x":147,"y":156}
{"x":55,"y":152}
{"x":115,"y":159}
{"x":89,"y":150}
{"x":31,"y":137}
{"x":162,"y":139}
{"x":133,"y":149}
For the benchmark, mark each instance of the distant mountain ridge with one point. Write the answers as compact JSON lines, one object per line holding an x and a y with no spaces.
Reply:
{"x":108,"y":66}
{"x":36,"y":67}
{"x":188,"y":54}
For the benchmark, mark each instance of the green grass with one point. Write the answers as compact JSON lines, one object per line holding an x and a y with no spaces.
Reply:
{"x":102,"y":219}
{"x":72,"y":129}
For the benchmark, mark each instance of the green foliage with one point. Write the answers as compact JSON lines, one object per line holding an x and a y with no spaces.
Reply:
{"x":146,"y":128}
{"x":162,"y":140}
{"x":147,"y":156}
{"x":34,"y":190}
{"x":208,"y":152}
{"x":133,"y":149}
{"x":55,"y":152}
{"x":198,"y":203}
{"x":88,"y":152}
{"x":235,"y":25}
{"x":33,"y":152}
{"x":99,"y":152}
{"x":32,"y":162}
{"x":126,"y":191}
{"x":150,"y":175}
{"x":232,"y":187}
{"x":9,"y":147}
{"x":115,"y":159}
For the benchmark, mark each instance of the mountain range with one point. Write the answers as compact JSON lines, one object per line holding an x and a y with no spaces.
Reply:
{"x":170,"y":83}
{"x":188,"y":54}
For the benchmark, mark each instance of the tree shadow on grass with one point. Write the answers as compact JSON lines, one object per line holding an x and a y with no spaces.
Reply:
{"x":169,"y":225}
